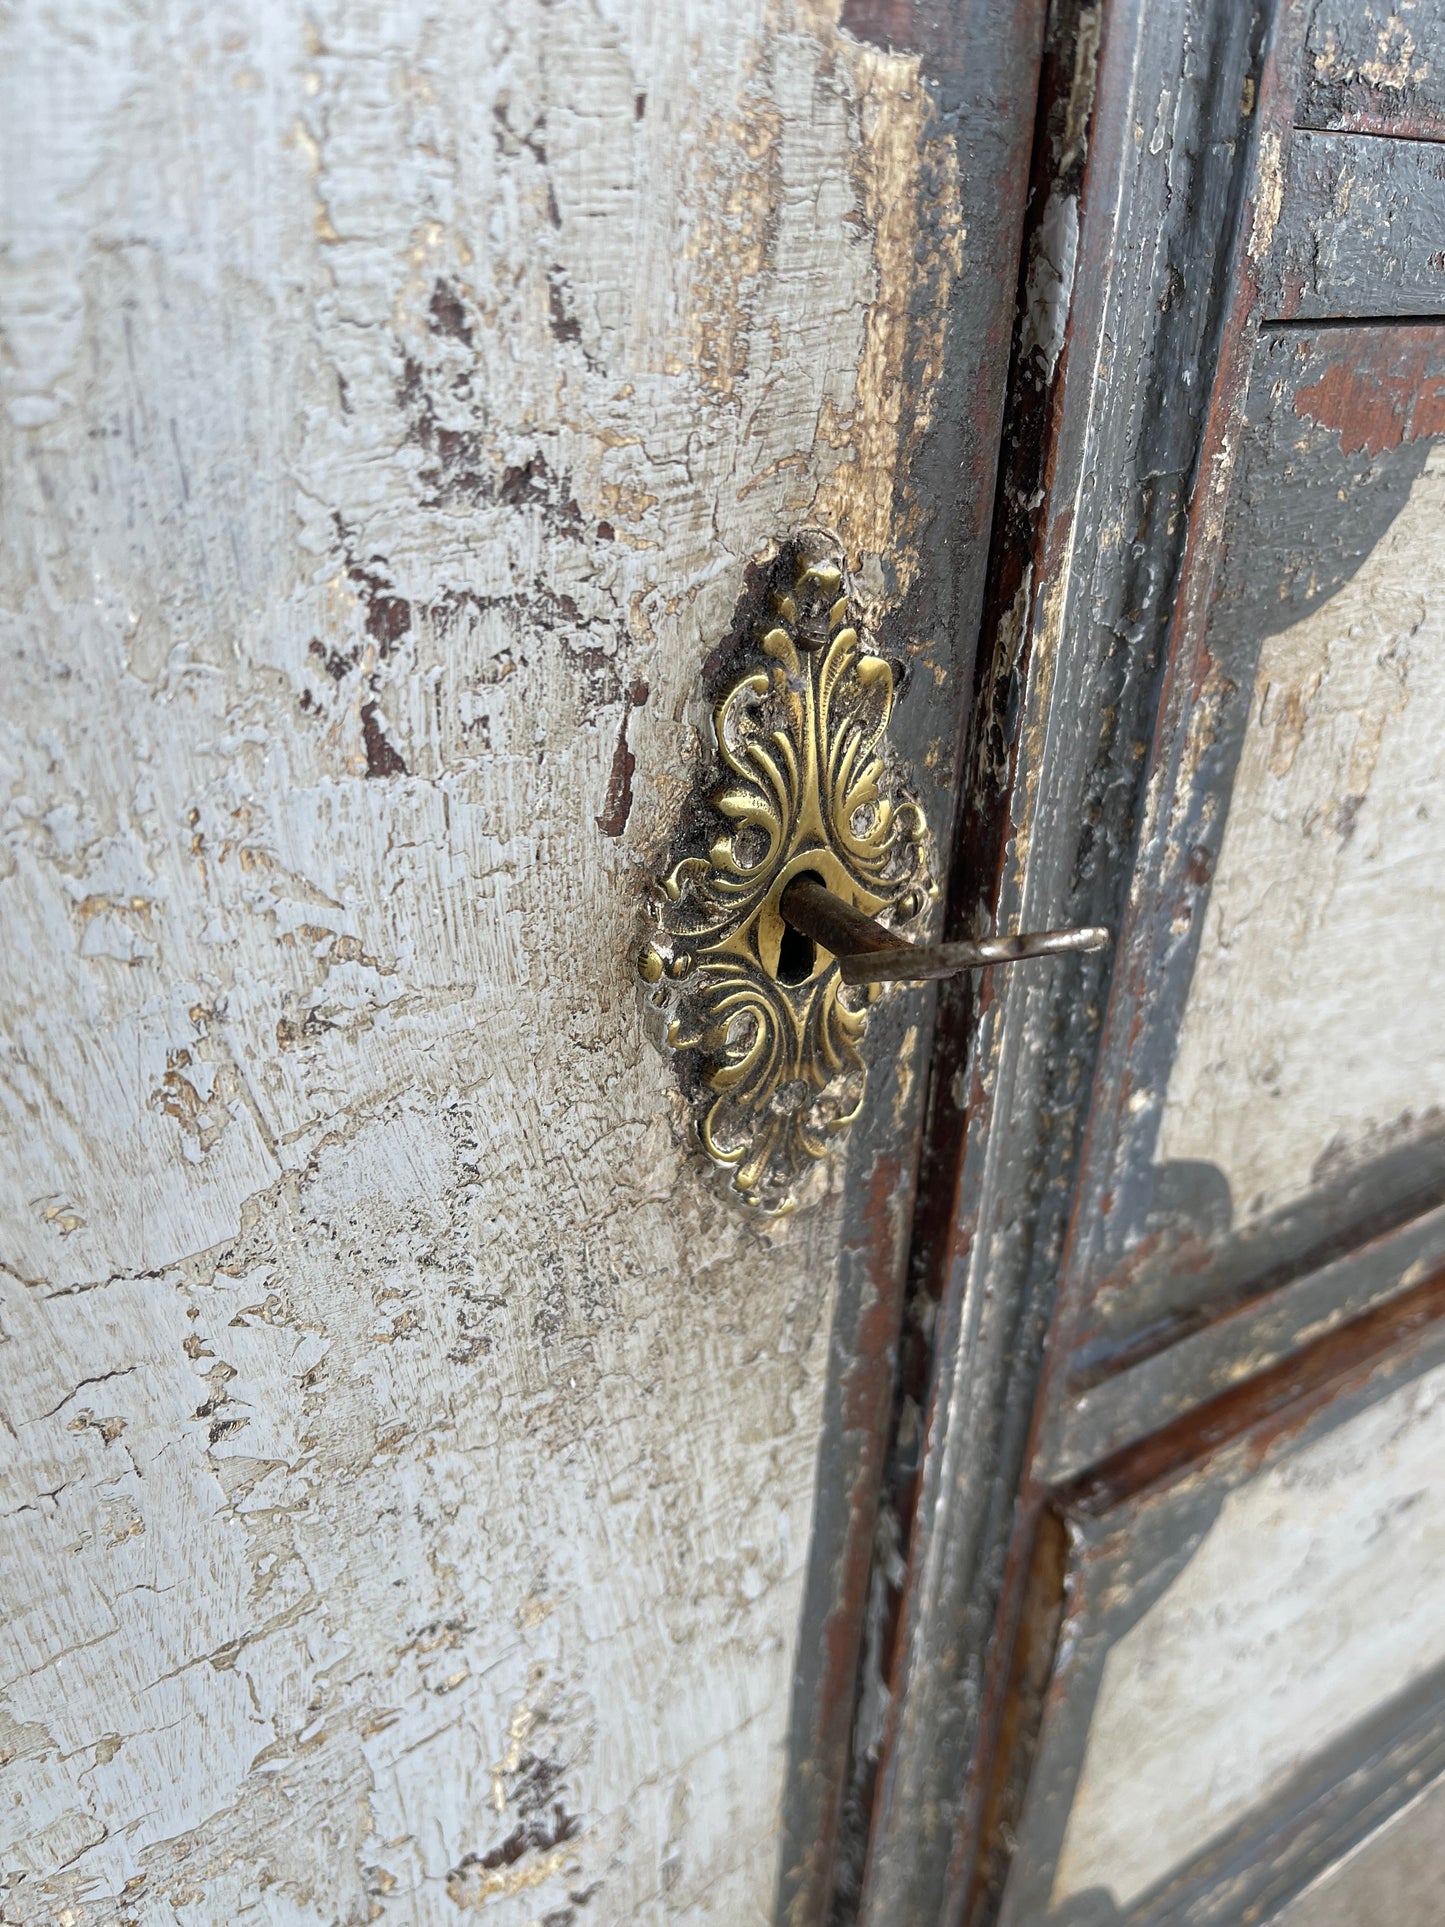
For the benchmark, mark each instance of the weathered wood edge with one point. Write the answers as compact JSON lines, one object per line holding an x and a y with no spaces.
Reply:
{"x":1083,"y":680}
{"x":1236,"y":1348}
{"x":1359,"y":231}
{"x":972,"y":59}
{"x":1361,"y":76}
{"x":1123,"y":1557}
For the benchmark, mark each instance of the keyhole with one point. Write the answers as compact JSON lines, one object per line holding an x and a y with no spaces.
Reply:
{"x":797,"y":953}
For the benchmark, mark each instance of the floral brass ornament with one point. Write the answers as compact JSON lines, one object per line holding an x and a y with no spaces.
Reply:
{"x":767,"y":1032}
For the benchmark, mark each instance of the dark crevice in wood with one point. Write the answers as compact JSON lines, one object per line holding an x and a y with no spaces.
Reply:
{"x":1373,"y":134}
{"x":1323,"y":324}
{"x":1030,"y":1670}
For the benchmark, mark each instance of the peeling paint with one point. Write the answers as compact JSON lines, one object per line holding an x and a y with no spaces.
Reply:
{"x":1379,"y":401}
{"x":1268,"y":196}
{"x":858,"y":499}
{"x":399,"y":405}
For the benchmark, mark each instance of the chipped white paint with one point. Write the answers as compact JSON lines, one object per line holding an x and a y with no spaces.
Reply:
{"x":1311,"y":1038}
{"x":1268,"y":197}
{"x":408,"y":1455}
{"x":1053,"y":255}
{"x":1314,"y":1597}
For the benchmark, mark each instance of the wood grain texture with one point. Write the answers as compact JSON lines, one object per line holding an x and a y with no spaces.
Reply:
{"x":410,"y":1456}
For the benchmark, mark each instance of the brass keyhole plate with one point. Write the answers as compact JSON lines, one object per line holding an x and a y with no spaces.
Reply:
{"x":773,"y":1066}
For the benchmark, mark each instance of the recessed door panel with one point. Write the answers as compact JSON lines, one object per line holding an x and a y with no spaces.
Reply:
{"x":1250,"y":1661}
{"x":1287,"y":1096}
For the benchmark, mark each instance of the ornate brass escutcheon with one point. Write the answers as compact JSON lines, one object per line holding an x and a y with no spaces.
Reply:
{"x":767,"y":1028}
{"x":789,"y":893}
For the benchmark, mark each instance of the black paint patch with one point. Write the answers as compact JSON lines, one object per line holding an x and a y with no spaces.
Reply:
{"x":381,"y":758}
{"x":534,"y":1835}
{"x":388,"y":619}
{"x":537,"y":1781}
{"x":388,"y":615}
{"x":462,"y":470}
{"x":618,"y":807}
{"x":535,"y":614}
{"x":564,"y":324}
{"x":332,"y":661}
{"x":544,"y":1824}
{"x":448,"y":313}
{"x":531,"y":484}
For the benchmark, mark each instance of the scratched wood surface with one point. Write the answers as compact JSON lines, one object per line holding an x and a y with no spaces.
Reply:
{"x":1373,"y":67}
{"x":409,"y":1455}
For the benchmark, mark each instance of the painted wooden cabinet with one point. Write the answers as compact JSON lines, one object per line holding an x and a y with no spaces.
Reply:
{"x":1171,"y":1636}
{"x":429,"y":1488}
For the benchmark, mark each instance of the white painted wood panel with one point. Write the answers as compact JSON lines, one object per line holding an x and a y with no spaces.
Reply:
{"x":1311,"y":1039}
{"x":1313,"y":1598}
{"x":408,"y":1454}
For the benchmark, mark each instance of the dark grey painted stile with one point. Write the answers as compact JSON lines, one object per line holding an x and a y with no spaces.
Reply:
{"x":1071,"y":688}
{"x":1362,"y":229}
{"x":978,"y":65}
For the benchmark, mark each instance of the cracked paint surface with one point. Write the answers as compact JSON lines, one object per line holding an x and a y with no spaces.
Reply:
{"x":408,"y":1455}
